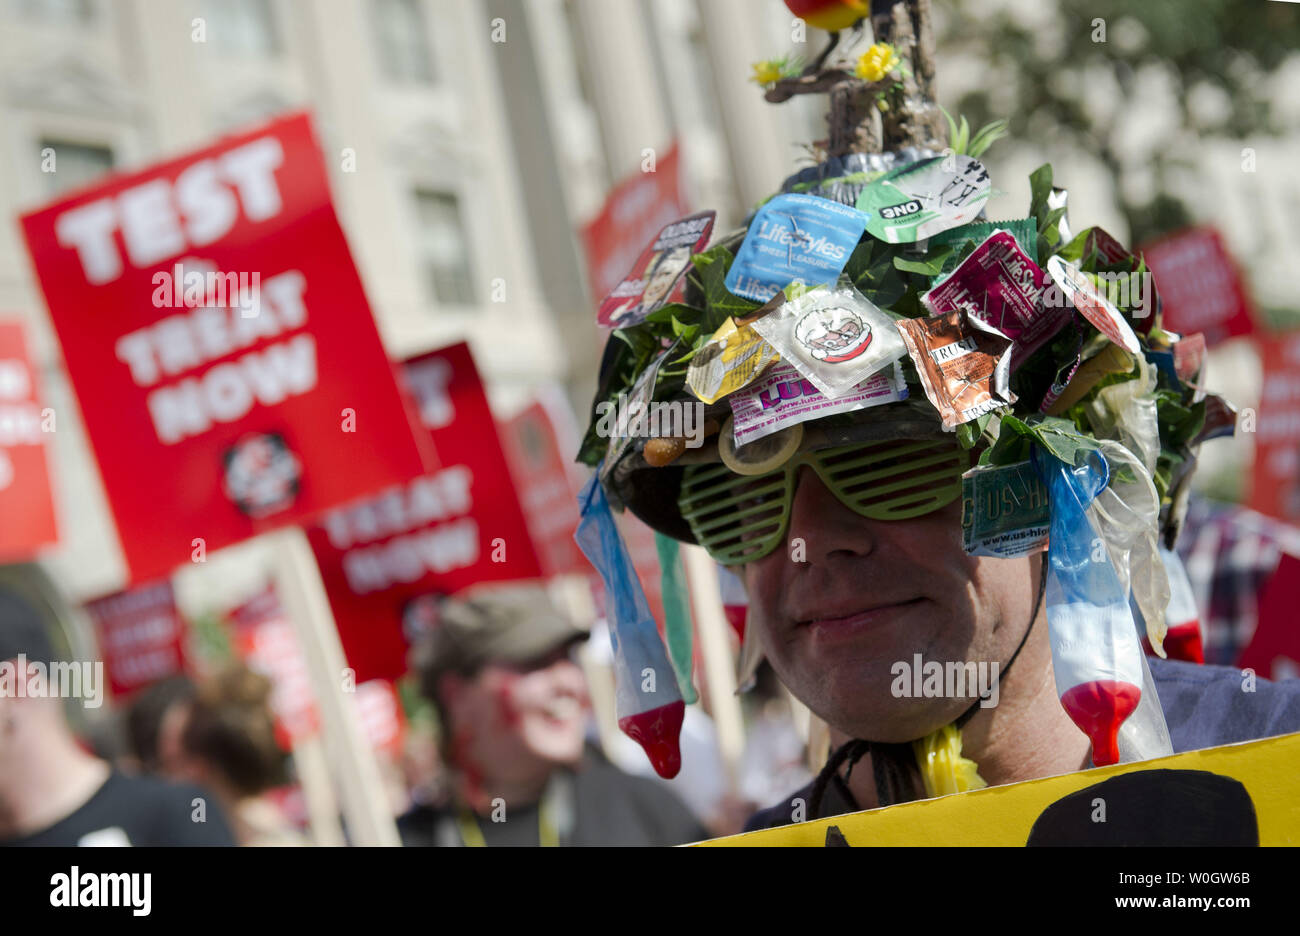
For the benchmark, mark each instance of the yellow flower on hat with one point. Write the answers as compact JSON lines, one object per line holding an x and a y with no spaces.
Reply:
{"x":877,"y":62}
{"x":768,"y":72}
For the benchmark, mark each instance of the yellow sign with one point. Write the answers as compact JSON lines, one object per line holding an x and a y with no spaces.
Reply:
{"x":1236,"y":794}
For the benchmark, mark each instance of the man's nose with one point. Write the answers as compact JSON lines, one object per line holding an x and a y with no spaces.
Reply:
{"x":820,"y":526}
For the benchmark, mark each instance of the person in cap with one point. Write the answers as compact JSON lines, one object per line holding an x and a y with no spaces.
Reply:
{"x":848,"y":529}
{"x":512,"y":706}
{"x":52,"y":791}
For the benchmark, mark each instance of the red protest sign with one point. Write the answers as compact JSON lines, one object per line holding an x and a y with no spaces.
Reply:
{"x":1275,"y":490}
{"x":26,"y":502}
{"x":141,"y":636}
{"x":386,"y":558}
{"x":1201,"y":289}
{"x":635,"y":211}
{"x":216,"y":332}
{"x":1274,"y":648}
{"x":546,"y":489}
{"x":265,"y":640}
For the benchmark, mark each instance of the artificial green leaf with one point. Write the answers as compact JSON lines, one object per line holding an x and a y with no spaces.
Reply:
{"x":1040,"y":187}
{"x":932,"y":265}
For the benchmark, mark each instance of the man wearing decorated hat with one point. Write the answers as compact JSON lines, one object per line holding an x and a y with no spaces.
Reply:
{"x":956,"y":540}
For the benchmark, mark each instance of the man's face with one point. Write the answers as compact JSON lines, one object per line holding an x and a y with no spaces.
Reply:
{"x":872,"y":593}
{"x":518,"y":717}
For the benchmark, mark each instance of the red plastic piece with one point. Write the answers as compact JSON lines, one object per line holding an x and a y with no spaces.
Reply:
{"x":658,"y":731}
{"x":1182,"y":642}
{"x":1099,"y":707}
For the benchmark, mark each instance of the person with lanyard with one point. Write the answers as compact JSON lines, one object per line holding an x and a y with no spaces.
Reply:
{"x":513,"y":708}
{"x":883,"y":538}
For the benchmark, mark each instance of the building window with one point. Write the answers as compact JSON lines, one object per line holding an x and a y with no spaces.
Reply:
{"x":401,"y":40}
{"x":67,"y":166}
{"x":74,"y":12}
{"x":444,"y":251}
{"x":241,"y":27}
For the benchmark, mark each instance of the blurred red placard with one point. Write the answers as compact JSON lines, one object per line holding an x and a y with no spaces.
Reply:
{"x":1275,"y":488}
{"x":216,"y":332}
{"x":1274,"y":648}
{"x":634,"y":212}
{"x":546,"y":488}
{"x":141,"y":636}
{"x":1201,"y":289}
{"x":267,"y":643}
{"x":265,"y":640}
{"x":26,"y":501}
{"x":386,"y":559}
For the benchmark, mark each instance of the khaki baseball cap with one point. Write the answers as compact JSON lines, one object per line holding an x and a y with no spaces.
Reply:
{"x":513,"y":625}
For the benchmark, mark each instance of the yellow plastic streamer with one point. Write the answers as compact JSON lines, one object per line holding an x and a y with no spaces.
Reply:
{"x":943,"y":768}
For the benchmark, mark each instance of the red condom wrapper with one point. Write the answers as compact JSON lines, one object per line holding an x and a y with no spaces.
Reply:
{"x":647,"y":699}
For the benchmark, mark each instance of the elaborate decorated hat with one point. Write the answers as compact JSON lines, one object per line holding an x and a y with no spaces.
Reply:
{"x":869,"y":321}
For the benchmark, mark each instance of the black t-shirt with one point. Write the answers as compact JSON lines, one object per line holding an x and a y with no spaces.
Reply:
{"x":137,"y":811}
{"x":608,"y":806}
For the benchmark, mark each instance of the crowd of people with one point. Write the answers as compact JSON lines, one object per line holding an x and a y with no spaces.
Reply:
{"x":501,"y":750}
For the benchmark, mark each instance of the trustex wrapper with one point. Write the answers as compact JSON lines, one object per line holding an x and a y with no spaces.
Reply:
{"x":999,"y":285}
{"x":963,"y":364}
{"x":783,"y":397}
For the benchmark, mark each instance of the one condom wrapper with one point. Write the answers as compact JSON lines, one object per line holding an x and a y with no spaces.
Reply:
{"x":836,"y":337}
{"x":1000,"y":285}
{"x":794,"y":238}
{"x":1005,"y":511}
{"x":924,"y":198}
{"x":657,"y":271}
{"x":783,"y":396}
{"x":964,"y":364}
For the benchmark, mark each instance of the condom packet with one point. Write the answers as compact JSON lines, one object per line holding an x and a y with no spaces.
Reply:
{"x":637,"y":401}
{"x":1112,"y":359}
{"x":1005,"y":511}
{"x":657,"y":271}
{"x":794,"y":238}
{"x":836,"y":337}
{"x":966,"y":238}
{"x":1074,"y":287}
{"x":924,"y":198}
{"x":999,"y":284}
{"x":734,"y":356}
{"x":964,"y":364}
{"x":783,"y":396}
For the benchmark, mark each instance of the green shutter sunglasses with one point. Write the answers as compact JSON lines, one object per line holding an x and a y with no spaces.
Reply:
{"x":741,"y":518}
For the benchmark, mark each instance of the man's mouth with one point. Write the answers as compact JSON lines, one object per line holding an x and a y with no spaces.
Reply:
{"x":837,"y":622}
{"x":564,"y":709}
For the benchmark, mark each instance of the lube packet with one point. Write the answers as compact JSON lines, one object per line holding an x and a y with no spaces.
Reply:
{"x":836,"y":337}
{"x":794,"y":238}
{"x":783,"y":397}
{"x":734,"y":356}
{"x":1001,"y":286}
{"x":1005,"y":511}
{"x":925,"y":198}
{"x":657,"y":271}
{"x":1074,"y":284}
{"x":964,"y":364}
